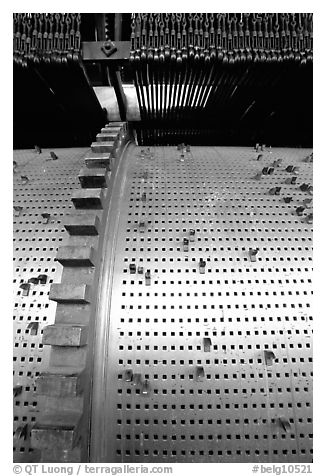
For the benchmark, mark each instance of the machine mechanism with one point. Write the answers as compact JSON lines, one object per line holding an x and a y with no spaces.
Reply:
{"x":163,"y":210}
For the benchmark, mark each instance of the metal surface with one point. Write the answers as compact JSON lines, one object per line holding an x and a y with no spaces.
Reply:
{"x":213,"y":367}
{"x":36,"y":240}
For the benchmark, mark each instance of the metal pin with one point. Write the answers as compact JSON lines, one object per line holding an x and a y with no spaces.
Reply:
{"x":291,"y":180}
{"x":33,"y":280}
{"x":25,"y":287}
{"x":46,"y":218}
{"x":269,"y":357}
{"x":304,"y":187}
{"x":287,"y":199}
{"x":275,"y":191}
{"x":42,"y":278}
{"x":262,"y":147}
{"x":33,"y":328}
{"x":200,"y":374}
{"x":258,"y":176}
{"x":136,"y":379}
{"x":37,"y":149}
{"x":17,"y":210}
{"x":140,"y":270}
{"x":309,"y":218}
{"x":148,"y":278}
{"x":53,"y":156}
{"x":24,"y":179}
{"x":17,"y":390}
{"x":141,"y":227}
{"x":143,"y":197}
{"x":307,"y":201}
{"x":257,"y":147}
{"x":128,"y":375}
{"x":132,"y":268}
{"x":185,"y":244}
{"x":309,"y":158}
{"x":292,"y":169}
{"x":253,"y":254}
{"x":192,"y":235}
{"x":188,"y":148}
{"x":277,"y":163}
{"x":21,"y":432}
{"x":299,"y":211}
{"x":267,"y":171}
{"x":207,"y":344}
{"x":202,"y":265}
{"x":14,"y":166}
{"x":259,"y":156}
{"x":145,"y":390}
{"x":284,"y":424}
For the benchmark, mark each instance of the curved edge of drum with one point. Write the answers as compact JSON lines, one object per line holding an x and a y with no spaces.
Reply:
{"x":61,"y":431}
{"x":102,"y":312}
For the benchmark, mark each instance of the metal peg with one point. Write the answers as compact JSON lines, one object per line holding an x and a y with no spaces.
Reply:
{"x":291,"y":180}
{"x":309,"y":218}
{"x":24,"y":179}
{"x":304,"y":187}
{"x":259,"y":156}
{"x":267,"y":170}
{"x":141,"y":227}
{"x":136,"y":379}
{"x":17,"y":210}
{"x":17,"y":390}
{"x":42,"y":278}
{"x":185,"y":244}
{"x":200,"y":374}
{"x":275,"y":191}
{"x":299,"y":211}
{"x":25,"y":287}
{"x":143,"y":197}
{"x":307,"y":202}
{"x":128,"y":375}
{"x":192,"y":235}
{"x":21,"y":432}
{"x":277,"y":163}
{"x":258,"y":176}
{"x":207,"y":344}
{"x":284,"y":424}
{"x":145,"y":389}
{"x":288,"y":199}
{"x":309,"y":158}
{"x":148,"y":278}
{"x":202,"y":265}
{"x":269,"y":357}
{"x":253,"y":254}
{"x":132,"y":268}
{"x":140,"y":270}
{"x":46,"y":218}
{"x":33,"y":328}
{"x":292,"y":169}
{"x":37,"y":149}
{"x":53,"y":156}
